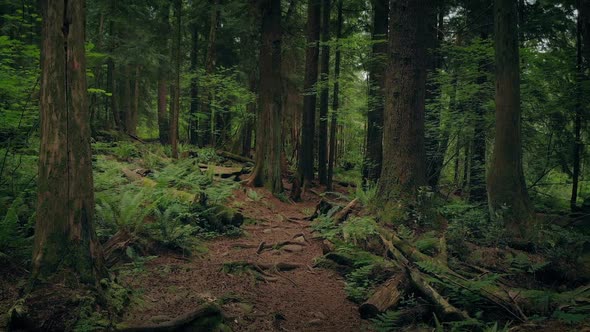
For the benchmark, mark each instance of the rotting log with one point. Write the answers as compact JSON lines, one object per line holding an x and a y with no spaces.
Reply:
{"x":386,"y":297}
{"x":180,"y":323}
{"x":221,"y":171}
{"x":234,"y":156}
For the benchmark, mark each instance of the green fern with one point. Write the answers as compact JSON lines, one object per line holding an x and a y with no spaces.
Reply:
{"x":387,"y":321}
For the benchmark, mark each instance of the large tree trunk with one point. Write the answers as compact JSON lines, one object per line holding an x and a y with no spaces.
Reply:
{"x":206,"y":136}
{"x":377,"y":66}
{"x":65,"y":240}
{"x":194,"y":110}
{"x":267,"y":171}
{"x":404,"y":168}
{"x":335,"y":102}
{"x":507,"y":191}
{"x":324,"y":95}
{"x":306,"y":155}
{"x":174,"y":111}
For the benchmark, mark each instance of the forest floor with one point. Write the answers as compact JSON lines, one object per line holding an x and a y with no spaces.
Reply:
{"x":302,"y":299}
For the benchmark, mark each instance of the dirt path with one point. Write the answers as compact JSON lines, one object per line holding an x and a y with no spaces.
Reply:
{"x":303,"y":299}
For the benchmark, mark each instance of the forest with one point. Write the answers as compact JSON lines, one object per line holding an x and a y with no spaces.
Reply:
{"x":294,"y":165}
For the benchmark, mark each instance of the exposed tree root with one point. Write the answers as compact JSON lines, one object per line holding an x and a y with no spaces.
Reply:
{"x":180,"y":323}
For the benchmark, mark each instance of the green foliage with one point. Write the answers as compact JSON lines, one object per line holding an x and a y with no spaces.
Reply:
{"x":387,"y":321}
{"x":366,"y":193}
{"x":358,"y":229}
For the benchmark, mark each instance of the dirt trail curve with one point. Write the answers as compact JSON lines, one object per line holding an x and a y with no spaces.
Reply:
{"x":301,"y":299}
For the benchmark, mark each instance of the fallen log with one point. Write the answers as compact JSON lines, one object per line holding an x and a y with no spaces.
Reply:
{"x":180,"y":323}
{"x":234,"y":156}
{"x":221,"y":171}
{"x":386,"y":297}
{"x":341,"y":215}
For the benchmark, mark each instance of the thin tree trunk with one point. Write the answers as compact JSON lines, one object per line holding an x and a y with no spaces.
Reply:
{"x":508,"y":196}
{"x":194,"y":110}
{"x":128,"y":100}
{"x":163,"y":125}
{"x":324,"y":95}
{"x":335,"y":102}
{"x":374,"y":143}
{"x":306,"y":154}
{"x":135,"y":112}
{"x":267,"y":171}
{"x":205,"y":122}
{"x":404,"y":168}
{"x":65,"y":239}
{"x":174,"y":111}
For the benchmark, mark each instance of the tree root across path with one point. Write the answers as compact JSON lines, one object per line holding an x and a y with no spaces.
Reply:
{"x":189,"y":321}
{"x":262,"y":271}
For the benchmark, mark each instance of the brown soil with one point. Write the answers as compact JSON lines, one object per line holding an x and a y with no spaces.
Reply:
{"x":303,"y":299}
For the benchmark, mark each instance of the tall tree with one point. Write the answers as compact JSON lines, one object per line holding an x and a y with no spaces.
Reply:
{"x":582,"y":64}
{"x":374,"y":143}
{"x":324,"y":94}
{"x":267,"y":171}
{"x":194,"y":108}
{"x":65,"y":240}
{"x":306,"y":152}
{"x":163,"y":125}
{"x":507,"y":191}
{"x":404,"y":166}
{"x":335,"y":100}
{"x":206,"y":110}
{"x":175,"y":110}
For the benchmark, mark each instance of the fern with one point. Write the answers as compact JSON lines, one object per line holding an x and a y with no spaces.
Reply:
{"x":387,"y":321}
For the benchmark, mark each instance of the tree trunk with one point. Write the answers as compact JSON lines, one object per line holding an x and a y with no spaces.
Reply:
{"x":377,"y":66}
{"x":306,"y":155}
{"x":163,"y":124}
{"x":174,"y":111}
{"x":65,"y":240}
{"x":324,"y":95}
{"x":267,"y":171}
{"x":583,"y":54}
{"x":508,"y":196}
{"x":404,"y":169}
{"x":135,"y":115}
{"x":335,"y":102}
{"x":206,"y":110}
{"x":194,"y":110}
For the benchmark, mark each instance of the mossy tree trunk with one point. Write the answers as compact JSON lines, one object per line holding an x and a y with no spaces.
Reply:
{"x":163,"y":125}
{"x":335,"y":102}
{"x":267,"y":171}
{"x":206,"y":135}
{"x":507,"y":192}
{"x":175,"y":91}
{"x":65,"y":240}
{"x":404,"y":166}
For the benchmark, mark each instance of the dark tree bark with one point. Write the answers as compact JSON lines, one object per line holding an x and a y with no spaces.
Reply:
{"x":267,"y":171}
{"x":112,"y":88}
{"x":65,"y":240}
{"x":404,"y":168}
{"x":134,"y":117}
{"x":174,"y":111}
{"x":128,"y":100}
{"x":163,"y":124}
{"x":507,"y":190}
{"x":324,"y":95}
{"x":306,"y":154}
{"x":335,"y":101}
{"x":583,"y":56}
{"x":377,"y":66}
{"x":206,"y":135}
{"x":243,"y":145}
{"x":194,"y":110}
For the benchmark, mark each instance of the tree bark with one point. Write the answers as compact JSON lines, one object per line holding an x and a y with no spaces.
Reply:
{"x":377,"y":67}
{"x":206,"y":136}
{"x":507,"y":192}
{"x":335,"y":101}
{"x":163,"y":124}
{"x":324,"y":95}
{"x":267,"y":171}
{"x":306,"y":154}
{"x":174,"y":111}
{"x":404,"y":169}
{"x":65,"y":240}
{"x":194,"y":110}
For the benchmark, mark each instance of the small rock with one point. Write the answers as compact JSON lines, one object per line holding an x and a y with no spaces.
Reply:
{"x":314,"y":322}
{"x":267,"y":231}
{"x":319,"y":315}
